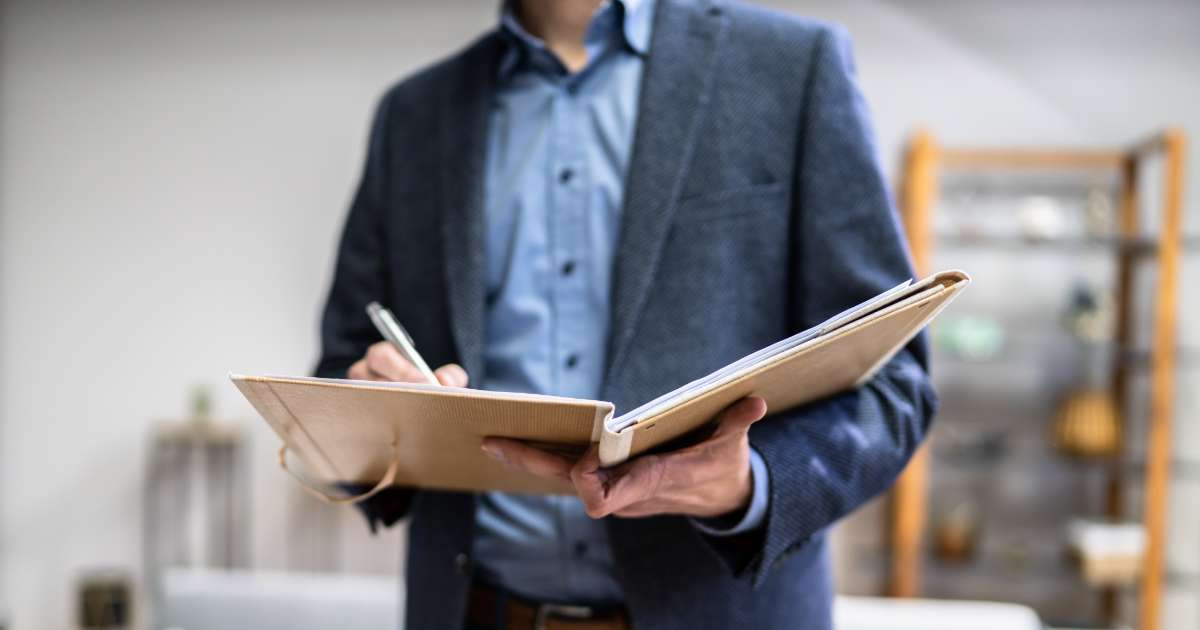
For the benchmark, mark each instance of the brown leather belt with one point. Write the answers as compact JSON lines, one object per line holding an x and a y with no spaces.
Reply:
{"x":520,"y":614}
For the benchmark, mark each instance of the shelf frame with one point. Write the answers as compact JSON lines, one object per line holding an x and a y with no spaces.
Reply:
{"x":923,"y":161}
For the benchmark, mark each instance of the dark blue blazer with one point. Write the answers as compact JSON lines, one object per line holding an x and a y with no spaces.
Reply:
{"x":754,"y":209}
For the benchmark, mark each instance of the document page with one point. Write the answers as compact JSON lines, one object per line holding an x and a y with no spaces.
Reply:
{"x":737,"y":368}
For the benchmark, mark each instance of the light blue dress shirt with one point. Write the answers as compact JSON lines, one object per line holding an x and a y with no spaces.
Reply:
{"x":558,"y":148}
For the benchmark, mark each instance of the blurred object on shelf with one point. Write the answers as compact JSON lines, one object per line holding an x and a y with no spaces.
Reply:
{"x":1088,"y":424}
{"x":1088,"y":421}
{"x":956,"y":532}
{"x":1109,"y":554}
{"x":1089,"y":316}
{"x":1098,"y":212}
{"x":197,"y":494}
{"x":972,"y":337}
{"x":969,"y":219}
{"x":201,"y":404}
{"x":1005,"y":205}
{"x":1041,"y":218}
{"x":105,"y":600}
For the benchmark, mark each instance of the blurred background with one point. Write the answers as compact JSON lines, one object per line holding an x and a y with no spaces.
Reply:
{"x":174,"y":175}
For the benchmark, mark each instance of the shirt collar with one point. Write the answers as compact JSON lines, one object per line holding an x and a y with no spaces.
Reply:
{"x":638,"y":23}
{"x":636,"y":18}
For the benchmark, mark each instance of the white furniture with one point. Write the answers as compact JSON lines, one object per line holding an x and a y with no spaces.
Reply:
{"x":214,"y":599}
{"x":878,"y":613}
{"x":234,"y":600}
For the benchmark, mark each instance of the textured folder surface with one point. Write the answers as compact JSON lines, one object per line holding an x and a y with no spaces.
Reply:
{"x":343,"y":431}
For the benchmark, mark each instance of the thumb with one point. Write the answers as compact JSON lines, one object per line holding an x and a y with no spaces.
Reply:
{"x":738,"y":417}
{"x":451,"y":375}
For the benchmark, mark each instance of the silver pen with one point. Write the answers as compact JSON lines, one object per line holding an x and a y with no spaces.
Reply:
{"x":394,"y":333}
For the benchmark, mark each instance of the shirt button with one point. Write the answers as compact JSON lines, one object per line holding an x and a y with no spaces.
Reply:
{"x":565,"y":175}
{"x":581,"y":549}
{"x":462,"y":563}
{"x":572,"y":361}
{"x":568,"y":267}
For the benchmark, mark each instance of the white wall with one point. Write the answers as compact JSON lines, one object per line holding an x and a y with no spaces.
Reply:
{"x":172,"y":177}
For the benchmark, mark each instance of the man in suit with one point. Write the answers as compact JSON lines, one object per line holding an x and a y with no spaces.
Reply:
{"x":608,"y":200}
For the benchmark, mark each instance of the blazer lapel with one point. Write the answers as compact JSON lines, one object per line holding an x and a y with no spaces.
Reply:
{"x":675,"y":87}
{"x":462,"y":145}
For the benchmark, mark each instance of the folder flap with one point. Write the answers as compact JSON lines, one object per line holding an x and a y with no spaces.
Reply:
{"x":342,"y":430}
{"x":822,"y":365}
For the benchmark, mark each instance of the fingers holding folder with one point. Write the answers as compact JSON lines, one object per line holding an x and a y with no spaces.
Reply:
{"x":707,"y":479}
{"x":383,"y":362}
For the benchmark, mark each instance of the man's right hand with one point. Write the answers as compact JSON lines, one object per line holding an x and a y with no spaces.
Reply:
{"x":383,"y":362}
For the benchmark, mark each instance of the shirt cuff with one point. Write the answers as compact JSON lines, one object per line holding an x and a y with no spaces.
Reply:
{"x":753,"y":517}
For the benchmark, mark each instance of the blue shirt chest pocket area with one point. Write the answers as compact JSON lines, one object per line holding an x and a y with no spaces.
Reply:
{"x":757,"y":202}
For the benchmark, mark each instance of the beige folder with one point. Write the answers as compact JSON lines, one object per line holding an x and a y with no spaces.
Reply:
{"x":427,"y":436}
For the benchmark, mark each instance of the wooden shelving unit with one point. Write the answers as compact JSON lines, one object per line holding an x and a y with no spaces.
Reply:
{"x":924,"y":163}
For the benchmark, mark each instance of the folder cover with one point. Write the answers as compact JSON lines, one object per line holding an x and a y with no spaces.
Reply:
{"x":428,"y":436}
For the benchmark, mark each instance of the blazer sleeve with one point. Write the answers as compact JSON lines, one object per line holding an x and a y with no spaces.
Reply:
{"x":827,"y":458}
{"x":360,"y":276}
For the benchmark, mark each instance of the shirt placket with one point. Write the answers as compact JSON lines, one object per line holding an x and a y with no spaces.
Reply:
{"x":569,"y":254}
{"x":569,"y":246}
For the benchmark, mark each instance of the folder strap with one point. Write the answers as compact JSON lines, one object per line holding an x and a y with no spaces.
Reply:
{"x":389,"y":477}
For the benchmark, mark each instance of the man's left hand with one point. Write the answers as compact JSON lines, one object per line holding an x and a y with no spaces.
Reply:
{"x":709,"y":479}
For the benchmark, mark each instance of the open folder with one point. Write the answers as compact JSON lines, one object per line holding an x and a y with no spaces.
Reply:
{"x":429,"y":436}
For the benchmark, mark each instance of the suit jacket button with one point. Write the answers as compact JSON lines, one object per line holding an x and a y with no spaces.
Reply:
{"x":462,"y":563}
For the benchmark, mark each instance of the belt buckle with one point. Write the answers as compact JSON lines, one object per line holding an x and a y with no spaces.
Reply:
{"x":563,"y":611}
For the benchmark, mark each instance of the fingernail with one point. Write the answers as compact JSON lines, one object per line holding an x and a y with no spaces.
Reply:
{"x":492,"y":452}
